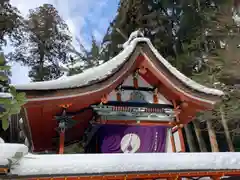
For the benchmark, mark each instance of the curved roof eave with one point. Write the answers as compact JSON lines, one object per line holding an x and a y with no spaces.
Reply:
{"x":105,"y":70}
{"x":90,"y":75}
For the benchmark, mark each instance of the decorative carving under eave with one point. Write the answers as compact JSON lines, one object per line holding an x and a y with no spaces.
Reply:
{"x":65,"y":106}
{"x":177,"y":111}
{"x":142,"y":70}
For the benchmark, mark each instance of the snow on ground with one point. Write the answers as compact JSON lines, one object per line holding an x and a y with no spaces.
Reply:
{"x":8,"y":151}
{"x":1,"y":140}
{"x":5,"y":95}
{"x":30,"y":164}
{"x":112,"y":163}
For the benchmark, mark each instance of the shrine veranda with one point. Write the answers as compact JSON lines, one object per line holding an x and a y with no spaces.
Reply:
{"x":128,"y":115}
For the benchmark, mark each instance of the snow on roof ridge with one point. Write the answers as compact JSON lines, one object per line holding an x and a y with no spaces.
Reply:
{"x":84,"y":78}
{"x":184,"y":79}
{"x":133,"y":35}
{"x":106,"y":69}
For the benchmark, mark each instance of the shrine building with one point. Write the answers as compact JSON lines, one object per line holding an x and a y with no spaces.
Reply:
{"x":127,"y":115}
{"x":135,"y":102}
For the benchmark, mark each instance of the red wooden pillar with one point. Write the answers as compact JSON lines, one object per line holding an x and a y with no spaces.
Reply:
{"x":62,"y":128}
{"x":181,"y":138}
{"x":179,"y":126}
{"x":172,"y":142}
{"x":61,"y":142}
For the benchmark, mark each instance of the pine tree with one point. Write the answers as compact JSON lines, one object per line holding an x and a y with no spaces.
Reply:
{"x":11,"y":24}
{"x":10,"y":100}
{"x":85,"y":58}
{"x":47,"y":39}
{"x":220,"y":69}
{"x":11,"y":28}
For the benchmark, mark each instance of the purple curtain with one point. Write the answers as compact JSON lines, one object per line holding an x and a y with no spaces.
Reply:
{"x":132,"y":139}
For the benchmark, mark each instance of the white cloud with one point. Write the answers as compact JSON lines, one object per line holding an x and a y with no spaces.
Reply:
{"x":19,"y":74}
{"x":75,"y":13}
{"x":72,"y":11}
{"x":97,"y":35}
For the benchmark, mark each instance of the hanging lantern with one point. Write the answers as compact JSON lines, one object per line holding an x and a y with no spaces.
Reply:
{"x":155,"y":96}
{"x":119,"y":95}
{"x":135,"y":79}
{"x":64,"y":122}
{"x":104,"y":99}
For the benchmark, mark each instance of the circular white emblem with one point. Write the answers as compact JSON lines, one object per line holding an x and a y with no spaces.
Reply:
{"x":130,"y":143}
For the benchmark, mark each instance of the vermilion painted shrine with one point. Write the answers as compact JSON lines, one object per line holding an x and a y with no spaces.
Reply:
{"x":134,"y":103}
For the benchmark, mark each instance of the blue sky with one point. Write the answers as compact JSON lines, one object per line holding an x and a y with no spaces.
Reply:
{"x":84,"y":17}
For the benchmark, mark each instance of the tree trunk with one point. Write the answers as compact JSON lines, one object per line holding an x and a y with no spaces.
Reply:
{"x":41,"y":73}
{"x":201,"y":142}
{"x":212,"y":136}
{"x":190,"y":139}
{"x":226,"y":130}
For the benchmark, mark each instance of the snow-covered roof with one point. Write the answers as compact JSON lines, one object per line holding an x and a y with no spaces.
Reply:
{"x":108,"y":68}
{"x":82,"y":79}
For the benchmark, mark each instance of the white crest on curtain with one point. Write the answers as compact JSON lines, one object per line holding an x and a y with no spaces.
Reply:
{"x":130,"y":143}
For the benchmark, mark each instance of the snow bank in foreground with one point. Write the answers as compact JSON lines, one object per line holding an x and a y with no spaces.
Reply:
{"x":114,"y":163}
{"x":30,"y":164}
{"x":8,"y":151}
{"x":5,"y":95}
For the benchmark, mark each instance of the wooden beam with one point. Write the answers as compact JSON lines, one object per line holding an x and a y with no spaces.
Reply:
{"x":144,"y":118}
{"x":131,"y":88}
{"x":212,"y":136}
{"x":134,"y":122}
{"x":165,"y":175}
{"x":4,"y":170}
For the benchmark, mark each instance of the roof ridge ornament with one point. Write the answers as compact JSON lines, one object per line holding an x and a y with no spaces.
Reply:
{"x":135,"y":34}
